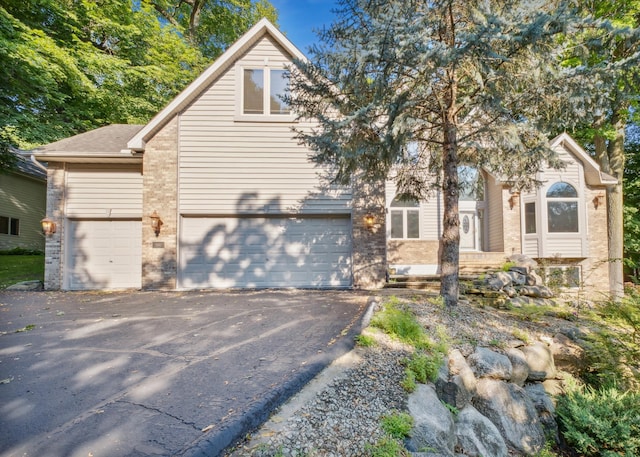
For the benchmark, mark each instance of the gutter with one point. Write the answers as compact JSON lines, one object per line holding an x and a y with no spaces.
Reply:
{"x":38,"y":164}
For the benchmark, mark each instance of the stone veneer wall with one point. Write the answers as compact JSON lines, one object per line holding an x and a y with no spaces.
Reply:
{"x":160,"y":194}
{"x":54,"y":244}
{"x":369,"y":244}
{"x":595,"y":269}
{"x":511,"y":223}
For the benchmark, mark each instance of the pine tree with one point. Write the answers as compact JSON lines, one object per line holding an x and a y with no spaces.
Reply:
{"x":472,"y":83}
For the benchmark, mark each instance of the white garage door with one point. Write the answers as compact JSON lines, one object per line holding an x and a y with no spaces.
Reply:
{"x":219,"y":252}
{"x":104,"y":254}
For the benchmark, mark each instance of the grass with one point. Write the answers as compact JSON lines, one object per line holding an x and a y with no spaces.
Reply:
{"x":18,"y":268}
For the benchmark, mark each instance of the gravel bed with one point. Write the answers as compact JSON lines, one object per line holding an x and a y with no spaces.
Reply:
{"x":344,"y":417}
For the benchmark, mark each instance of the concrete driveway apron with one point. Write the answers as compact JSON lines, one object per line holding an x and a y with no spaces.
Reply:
{"x":158,"y":373}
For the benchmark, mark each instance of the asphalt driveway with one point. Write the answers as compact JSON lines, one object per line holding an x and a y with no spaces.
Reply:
{"x":158,"y":373}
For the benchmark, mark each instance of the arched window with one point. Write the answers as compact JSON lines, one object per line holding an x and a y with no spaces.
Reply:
{"x":405,"y":219}
{"x":471,"y":183}
{"x":562,"y":208}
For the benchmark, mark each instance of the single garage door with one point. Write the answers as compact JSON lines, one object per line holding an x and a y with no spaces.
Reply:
{"x":221,"y":252}
{"x":104,"y":254}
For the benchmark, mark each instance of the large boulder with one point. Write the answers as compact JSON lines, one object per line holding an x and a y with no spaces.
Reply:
{"x":520,"y":367}
{"x":433,"y":423}
{"x":546,"y":409}
{"x":477,"y":435}
{"x":540,"y":361}
{"x":456,"y":382}
{"x":486,"y":363}
{"x":567,"y":355}
{"x":521,"y":260}
{"x":509,"y":408}
{"x":536,"y":291}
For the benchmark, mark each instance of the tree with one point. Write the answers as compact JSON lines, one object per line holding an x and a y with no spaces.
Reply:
{"x":469,"y":82}
{"x":610,"y":48}
{"x":67,"y":66}
{"x":212,"y":25}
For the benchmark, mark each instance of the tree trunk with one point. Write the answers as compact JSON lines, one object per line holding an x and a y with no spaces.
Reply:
{"x":615,"y":205}
{"x":450,"y":241}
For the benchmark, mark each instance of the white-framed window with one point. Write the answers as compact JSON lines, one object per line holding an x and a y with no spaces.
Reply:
{"x":9,"y":226}
{"x":563,"y":276}
{"x":404,"y":219}
{"x":262,"y":91}
{"x":530,"y":225}
{"x":562,"y":208}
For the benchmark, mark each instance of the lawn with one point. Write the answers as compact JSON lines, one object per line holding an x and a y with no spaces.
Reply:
{"x":17,"y":268}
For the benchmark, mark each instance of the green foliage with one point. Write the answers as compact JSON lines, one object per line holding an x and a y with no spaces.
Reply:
{"x":21,"y":251}
{"x":386,"y":447}
{"x":613,"y":352}
{"x":452,"y":409}
{"x":603,"y":422}
{"x":424,"y":366}
{"x":408,"y":383}
{"x":18,"y":268}
{"x":401,"y":324}
{"x":365,"y":341}
{"x":397,"y":425}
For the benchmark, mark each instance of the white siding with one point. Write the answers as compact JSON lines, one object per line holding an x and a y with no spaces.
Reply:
{"x":531,"y":247}
{"x":110,"y":191}
{"x":430,"y":213}
{"x":246,"y":167}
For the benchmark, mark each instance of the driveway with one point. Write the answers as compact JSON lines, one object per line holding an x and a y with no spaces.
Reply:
{"x":158,"y":373}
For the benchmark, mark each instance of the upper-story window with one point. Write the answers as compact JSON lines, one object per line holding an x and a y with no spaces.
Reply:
{"x":9,"y":226}
{"x":562,"y":208}
{"x":405,"y":219}
{"x":263,"y":90}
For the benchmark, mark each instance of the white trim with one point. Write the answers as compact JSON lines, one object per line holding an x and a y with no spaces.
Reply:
{"x":193,"y":90}
{"x":592,"y":172}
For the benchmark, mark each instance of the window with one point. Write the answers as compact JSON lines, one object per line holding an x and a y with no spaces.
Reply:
{"x":471,"y":183}
{"x":562,"y":208}
{"x":405,"y":219}
{"x":530,"y":217}
{"x":9,"y":226}
{"x":262,"y":91}
{"x":562,"y":276}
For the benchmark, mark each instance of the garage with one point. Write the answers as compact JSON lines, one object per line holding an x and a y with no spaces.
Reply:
{"x":265,"y":251}
{"x":104,"y":254}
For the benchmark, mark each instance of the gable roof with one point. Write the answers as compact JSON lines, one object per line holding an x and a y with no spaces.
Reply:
{"x":593,"y":175}
{"x":262,"y":28}
{"x":92,"y":146}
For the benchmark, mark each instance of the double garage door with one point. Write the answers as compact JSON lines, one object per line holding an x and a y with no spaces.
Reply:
{"x":245,"y":251}
{"x":104,"y":254}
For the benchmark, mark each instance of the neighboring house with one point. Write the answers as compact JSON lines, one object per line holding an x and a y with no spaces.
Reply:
{"x":23,"y":195}
{"x":216,"y":192}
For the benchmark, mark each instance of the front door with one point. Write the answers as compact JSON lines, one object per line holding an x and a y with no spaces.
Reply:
{"x":469,"y":230}
{"x":470,"y":207}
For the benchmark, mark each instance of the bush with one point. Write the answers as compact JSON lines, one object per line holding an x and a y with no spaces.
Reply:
{"x":398,"y":425}
{"x":21,"y":251}
{"x":401,"y":324}
{"x":603,"y":422}
{"x":424,"y":366}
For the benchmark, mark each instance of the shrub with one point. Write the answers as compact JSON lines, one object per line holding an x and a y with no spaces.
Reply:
{"x":424,"y":366}
{"x":398,"y":425}
{"x":21,"y":251}
{"x":603,"y":422}
{"x":408,"y":383}
{"x":401,"y":324}
{"x":386,"y":447}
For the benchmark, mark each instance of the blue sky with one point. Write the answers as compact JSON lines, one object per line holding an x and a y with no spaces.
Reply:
{"x":298,"y":19}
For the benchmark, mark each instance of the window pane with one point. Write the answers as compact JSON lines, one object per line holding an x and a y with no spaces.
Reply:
{"x":253,"y":92}
{"x":15,"y":227}
{"x":563,"y":216}
{"x":471,"y":184}
{"x":397,"y":226}
{"x":4,"y":225}
{"x":562,"y":190}
{"x":530,"y":218}
{"x":413,"y":224}
{"x":279,"y":87}
{"x":572,"y":277}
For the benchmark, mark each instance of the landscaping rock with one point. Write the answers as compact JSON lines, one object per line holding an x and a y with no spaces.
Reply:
{"x":458,"y":366}
{"x":521,"y":260}
{"x":534,"y":279}
{"x":509,"y":408}
{"x":486,"y":363}
{"x":26,"y":286}
{"x":545,"y":408}
{"x":433,"y":423}
{"x":567,"y":355}
{"x":517,"y":278}
{"x":540,"y":361}
{"x":536,"y":291}
{"x":477,"y":435}
{"x":520,"y":367}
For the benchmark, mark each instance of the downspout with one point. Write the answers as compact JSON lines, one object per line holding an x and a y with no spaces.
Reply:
{"x":38,"y":164}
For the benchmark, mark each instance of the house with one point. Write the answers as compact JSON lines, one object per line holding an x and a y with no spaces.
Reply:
{"x":23,"y":191}
{"x":215,"y":192}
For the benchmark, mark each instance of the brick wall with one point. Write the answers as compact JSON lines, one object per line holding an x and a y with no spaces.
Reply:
{"x":369,"y":244}
{"x":54,"y":260}
{"x":160,"y":184}
{"x":595,"y":269}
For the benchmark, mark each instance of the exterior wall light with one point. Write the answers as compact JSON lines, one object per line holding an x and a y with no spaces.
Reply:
{"x":513,"y":200}
{"x":369,"y":221}
{"x":598,"y":200}
{"x":156,"y":223}
{"x":48,"y":226}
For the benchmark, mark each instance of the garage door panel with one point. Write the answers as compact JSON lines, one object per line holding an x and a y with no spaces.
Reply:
{"x":265,"y":252}
{"x":104,"y":254}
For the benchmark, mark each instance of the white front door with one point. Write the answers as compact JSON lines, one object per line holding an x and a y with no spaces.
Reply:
{"x":469,"y":230}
